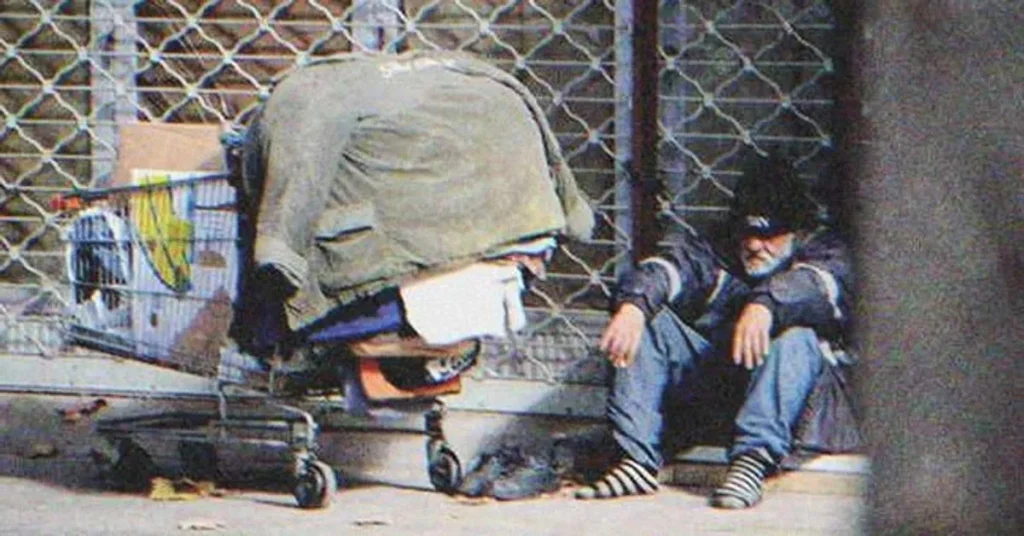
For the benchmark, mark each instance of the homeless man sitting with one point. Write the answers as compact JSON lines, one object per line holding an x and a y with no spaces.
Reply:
{"x":684,"y":319}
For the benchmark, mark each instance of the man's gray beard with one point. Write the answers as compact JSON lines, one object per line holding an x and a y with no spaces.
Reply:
{"x":767,"y":269}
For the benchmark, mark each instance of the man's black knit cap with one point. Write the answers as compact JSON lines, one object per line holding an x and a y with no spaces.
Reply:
{"x":771,"y":199}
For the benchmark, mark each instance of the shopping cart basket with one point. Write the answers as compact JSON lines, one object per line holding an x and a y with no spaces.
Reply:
{"x":154,"y":270}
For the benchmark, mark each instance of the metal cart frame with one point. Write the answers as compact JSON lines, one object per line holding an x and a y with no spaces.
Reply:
{"x":249,"y":411}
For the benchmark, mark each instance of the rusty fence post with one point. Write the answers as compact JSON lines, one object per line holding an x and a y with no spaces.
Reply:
{"x":644,"y":161}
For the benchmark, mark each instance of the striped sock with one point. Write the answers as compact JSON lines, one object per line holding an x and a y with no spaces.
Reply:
{"x":744,"y":481}
{"x":626,"y":478}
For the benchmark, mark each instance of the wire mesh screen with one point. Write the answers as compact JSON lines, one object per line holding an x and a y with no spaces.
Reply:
{"x":732,"y":75}
{"x":72,"y":71}
{"x":738,"y":77}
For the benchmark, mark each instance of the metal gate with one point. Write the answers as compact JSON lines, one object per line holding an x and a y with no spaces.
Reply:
{"x":727,"y":75}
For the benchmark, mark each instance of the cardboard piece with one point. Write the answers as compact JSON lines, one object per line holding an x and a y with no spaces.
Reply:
{"x":169,"y":147}
{"x":186,"y":268}
{"x":189,"y":323}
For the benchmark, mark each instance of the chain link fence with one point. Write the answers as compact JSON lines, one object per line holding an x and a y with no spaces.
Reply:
{"x":732,"y":75}
{"x":738,"y":77}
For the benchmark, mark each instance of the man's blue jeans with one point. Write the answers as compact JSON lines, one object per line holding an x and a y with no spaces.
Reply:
{"x":672,"y":362}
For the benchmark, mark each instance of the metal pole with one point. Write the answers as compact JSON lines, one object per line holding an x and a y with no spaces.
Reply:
{"x":113,"y":96}
{"x":644,"y":163}
{"x":623,"y":132}
{"x":672,"y":162}
{"x":849,"y":125}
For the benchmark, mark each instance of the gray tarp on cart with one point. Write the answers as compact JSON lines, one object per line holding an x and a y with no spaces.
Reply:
{"x":373,"y":168}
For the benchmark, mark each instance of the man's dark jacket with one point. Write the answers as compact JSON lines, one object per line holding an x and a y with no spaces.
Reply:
{"x":813,"y":289}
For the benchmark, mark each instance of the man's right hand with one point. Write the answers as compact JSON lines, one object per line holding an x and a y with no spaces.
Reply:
{"x":621,"y":338}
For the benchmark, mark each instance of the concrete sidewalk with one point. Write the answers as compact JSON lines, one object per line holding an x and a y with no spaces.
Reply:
{"x":28,"y":506}
{"x":50,"y":487}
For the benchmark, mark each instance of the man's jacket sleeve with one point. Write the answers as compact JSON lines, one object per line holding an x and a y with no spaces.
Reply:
{"x":685,"y":273}
{"x":815,"y":291}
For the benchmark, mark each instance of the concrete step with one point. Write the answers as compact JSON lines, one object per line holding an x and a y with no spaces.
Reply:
{"x":834,"y":474}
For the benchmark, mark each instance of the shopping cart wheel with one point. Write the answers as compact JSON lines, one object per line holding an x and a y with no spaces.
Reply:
{"x":315,"y":487}
{"x":443,"y":466}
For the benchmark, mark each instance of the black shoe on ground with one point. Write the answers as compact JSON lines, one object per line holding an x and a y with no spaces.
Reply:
{"x":489,"y":468}
{"x":533,"y":478}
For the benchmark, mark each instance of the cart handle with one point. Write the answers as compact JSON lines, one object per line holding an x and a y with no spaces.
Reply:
{"x":79,"y":198}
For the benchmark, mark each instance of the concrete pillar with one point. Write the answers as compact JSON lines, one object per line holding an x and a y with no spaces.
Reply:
{"x":939,"y":223}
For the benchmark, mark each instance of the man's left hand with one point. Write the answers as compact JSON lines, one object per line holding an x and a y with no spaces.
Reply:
{"x":752,"y":336}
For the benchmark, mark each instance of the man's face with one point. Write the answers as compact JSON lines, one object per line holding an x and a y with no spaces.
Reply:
{"x":762,"y":255}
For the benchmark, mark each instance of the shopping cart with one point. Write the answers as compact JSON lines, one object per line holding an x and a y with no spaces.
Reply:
{"x":155,"y":271}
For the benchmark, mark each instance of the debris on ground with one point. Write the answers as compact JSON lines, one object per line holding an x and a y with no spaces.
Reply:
{"x":372,"y":522}
{"x":162,"y":489}
{"x":41,"y":450}
{"x":75,"y":414}
{"x":201,"y":524}
{"x":183,"y":489}
{"x":205,"y":488}
{"x":473,"y":501}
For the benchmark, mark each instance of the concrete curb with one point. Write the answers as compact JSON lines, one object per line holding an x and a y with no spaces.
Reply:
{"x":705,"y":467}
